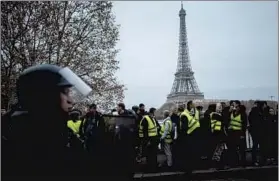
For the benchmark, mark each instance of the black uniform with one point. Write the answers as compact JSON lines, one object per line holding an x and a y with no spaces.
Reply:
{"x":93,"y":130}
{"x":94,"y":137}
{"x":256,"y":121}
{"x":37,"y":143}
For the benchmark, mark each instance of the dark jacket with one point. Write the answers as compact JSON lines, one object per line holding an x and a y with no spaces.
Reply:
{"x":125,"y":113}
{"x":36,"y":148}
{"x":205,"y":124}
{"x":125,"y":147}
{"x":271,"y":125}
{"x":226,"y":116}
{"x":183,"y":125}
{"x":175,"y":119}
{"x":93,"y":125}
{"x":255,"y":119}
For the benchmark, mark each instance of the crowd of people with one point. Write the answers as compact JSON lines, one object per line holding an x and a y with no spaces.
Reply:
{"x":43,"y":136}
{"x":216,"y":136}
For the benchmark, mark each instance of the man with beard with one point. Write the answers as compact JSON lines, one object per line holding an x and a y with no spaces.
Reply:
{"x":149,"y":135}
{"x":121,"y":109}
{"x":142,"y":111}
{"x":125,"y":144}
{"x":94,"y":129}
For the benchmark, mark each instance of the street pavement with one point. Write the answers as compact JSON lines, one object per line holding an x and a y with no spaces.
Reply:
{"x":250,"y":173}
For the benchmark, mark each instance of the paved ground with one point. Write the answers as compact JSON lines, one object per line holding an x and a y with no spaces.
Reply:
{"x":266,"y":173}
{"x":209,"y":171}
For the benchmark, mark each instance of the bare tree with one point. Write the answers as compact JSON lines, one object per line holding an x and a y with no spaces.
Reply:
{"x":80,"y":35}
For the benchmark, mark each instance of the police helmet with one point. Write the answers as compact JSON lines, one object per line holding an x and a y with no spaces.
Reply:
{"x":36,"y":81}
{"x":44,"y":82}
{"x":43,"y":74}
{"x":135,"y":108}
{"x":131,"y":112}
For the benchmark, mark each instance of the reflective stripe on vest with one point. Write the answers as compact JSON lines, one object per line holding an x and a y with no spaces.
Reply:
{"x":215,"y":125}
{"x":74,"y":126}
{"x":193,"y":122}
{"x":168,"y":138}
{"x":152,"y":128}
{"x":236,"y":122}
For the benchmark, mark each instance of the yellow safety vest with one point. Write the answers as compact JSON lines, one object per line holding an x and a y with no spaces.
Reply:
{"x":215,"y":125}
{"x":193,"y":122}
{"x":74,"y":126}
{"x":235,"y":123}
{"x":168,"y":138}
{"x":152,"y":127}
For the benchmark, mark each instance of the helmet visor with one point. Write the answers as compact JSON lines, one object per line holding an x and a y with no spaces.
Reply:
{"x":79,"y":90}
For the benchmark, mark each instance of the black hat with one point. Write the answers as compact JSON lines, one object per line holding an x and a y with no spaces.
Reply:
{"x":93,"y":106}
{"x":135,"y":108}
{"x":141,"y":105}
{"x":152,"y":110}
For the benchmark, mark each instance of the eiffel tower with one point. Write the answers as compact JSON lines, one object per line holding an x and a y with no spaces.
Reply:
{"x":184,"y":87}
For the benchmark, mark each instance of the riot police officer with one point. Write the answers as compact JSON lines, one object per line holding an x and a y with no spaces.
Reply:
{"x":38,"y":139}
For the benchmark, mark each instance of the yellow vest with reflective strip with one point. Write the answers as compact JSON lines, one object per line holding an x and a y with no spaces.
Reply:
{"x":168,"y":138}
{"x":74,"y":126}
{"x":235,"y":123}
{"x":152,"y":127}
{"x":193,"y":122}
{"x":215,"y":125}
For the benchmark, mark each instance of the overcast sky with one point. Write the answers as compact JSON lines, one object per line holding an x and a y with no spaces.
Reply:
{"x":233,"y":48}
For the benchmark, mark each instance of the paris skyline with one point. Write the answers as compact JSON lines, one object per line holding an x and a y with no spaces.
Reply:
{"x":218,"y":34}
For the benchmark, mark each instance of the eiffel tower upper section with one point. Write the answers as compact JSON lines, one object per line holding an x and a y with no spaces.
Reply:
{"x":184,"y":87}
